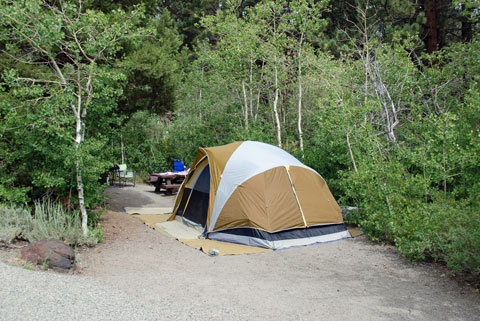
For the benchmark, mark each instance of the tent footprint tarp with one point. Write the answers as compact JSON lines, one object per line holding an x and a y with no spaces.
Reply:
{"x":190,"y":236}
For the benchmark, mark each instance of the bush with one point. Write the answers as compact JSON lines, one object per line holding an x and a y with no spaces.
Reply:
{"x":144,"y":138}
{"x":13,"y":221}
{"x":394,"y":210}
{"x":49,"y":221}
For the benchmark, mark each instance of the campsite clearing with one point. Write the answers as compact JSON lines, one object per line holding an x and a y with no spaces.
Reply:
{"x":140,"y":273}
{"x":354,"y":278}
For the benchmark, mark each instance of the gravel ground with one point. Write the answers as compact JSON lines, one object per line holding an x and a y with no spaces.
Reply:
{"x":141,"y":274}
{"x":33,"y":295}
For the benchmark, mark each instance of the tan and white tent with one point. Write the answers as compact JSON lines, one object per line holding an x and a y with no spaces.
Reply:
{"x":257,"y":194}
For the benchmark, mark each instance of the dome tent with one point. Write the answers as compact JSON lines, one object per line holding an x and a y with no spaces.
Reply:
{"x":257,"y":194}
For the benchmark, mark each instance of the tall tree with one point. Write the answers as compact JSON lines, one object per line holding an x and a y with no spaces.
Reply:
{"x":306,"y":23}
{"x":74,"y":46}
{"x":187,"y":15}
{"x":153,"y":68}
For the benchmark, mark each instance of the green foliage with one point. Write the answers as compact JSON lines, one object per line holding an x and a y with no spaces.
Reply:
{"x":418,"y":192}
{"x":44,"y":266}
{"x":57,"y":115}
{"x":49,"y":220}
{"x":145,"y":142}
{"x":12,"y":222}
{"x":188,"y":13}
{"x":28,"y":267}
{"x":153,"y":69}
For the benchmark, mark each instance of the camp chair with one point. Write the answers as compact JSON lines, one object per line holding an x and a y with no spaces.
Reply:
{"x":123,"y":175}
{"x":178,"y":165}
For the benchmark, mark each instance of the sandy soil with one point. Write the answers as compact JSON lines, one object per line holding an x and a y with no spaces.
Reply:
{"x":350,"y":279}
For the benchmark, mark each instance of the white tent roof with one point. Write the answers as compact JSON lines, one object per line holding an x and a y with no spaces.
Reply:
{"x":249,"y":159}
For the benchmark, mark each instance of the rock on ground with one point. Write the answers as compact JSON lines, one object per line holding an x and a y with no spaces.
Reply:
{"x":55,"y":253}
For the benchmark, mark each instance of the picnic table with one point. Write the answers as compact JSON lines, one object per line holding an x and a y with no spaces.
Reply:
{"x":170,"y":182}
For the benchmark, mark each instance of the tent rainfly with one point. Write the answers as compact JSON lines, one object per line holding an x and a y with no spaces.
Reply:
{"x":257,"y":194}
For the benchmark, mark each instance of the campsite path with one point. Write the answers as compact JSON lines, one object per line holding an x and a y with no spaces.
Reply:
{"x":349,"y":279}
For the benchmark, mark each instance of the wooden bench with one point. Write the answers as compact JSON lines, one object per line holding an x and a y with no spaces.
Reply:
{"x":169,"y":182}
{"x":169,"y":188}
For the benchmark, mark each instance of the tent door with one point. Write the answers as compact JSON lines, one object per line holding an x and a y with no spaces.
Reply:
{"x":197,"y":207}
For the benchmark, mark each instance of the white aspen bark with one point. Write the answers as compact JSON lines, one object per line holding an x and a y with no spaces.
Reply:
{"x":122,"y":149}
{"x":300,"y":132}
{"x":275,"y":112}
{"x":245,"y":110}
{"x":200,"y":95}
{"x":444,"y":162}
{"x":391,"y":118}
{"x":351,"y":152}
{"x":81,"y":198}
{"x":79,"y":136}
{"x":367,"y":53}
{"x":258,"y":104}
{"x":200,"y":100}
{"x":275,"y":105}
{"x":299,"y":124}
{"x":251,"y":85}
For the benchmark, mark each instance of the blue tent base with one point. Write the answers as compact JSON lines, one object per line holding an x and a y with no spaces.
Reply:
{"x":282,"y":239}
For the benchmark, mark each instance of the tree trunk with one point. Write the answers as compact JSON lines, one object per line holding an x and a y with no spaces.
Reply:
{"x":300,"y":132}
{"x":390,"y":110}
{"x":245,"y":101}
{"x":122,"y":149}
{"x":258,"y":105}
{"x":431,"y":39}
{"x":78,"y":142}
{"x":467,"y":29}
{"x":251,"y":85}
{"x":79,"y":138}
{"x":366,"y":48}
{"x":275,"y":105}
{"x":81,"y":199}
{"x":351,"y":152}
{"x":299,"y":124}
{"x":200,"y":95}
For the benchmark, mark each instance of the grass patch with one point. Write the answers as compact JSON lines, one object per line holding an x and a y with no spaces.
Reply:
{"x":48,"y":220}
{"x":28,"y":267}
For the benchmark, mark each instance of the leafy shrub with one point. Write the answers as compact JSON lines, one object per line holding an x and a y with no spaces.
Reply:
{"x":13,"y":221}
{"x":394,"y":210}
{"x":144,"y":141}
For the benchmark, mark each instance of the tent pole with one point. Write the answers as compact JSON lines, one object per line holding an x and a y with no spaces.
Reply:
{"x":287,"y":168}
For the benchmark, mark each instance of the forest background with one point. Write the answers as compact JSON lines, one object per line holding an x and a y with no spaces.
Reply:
{"x":381,"y":97}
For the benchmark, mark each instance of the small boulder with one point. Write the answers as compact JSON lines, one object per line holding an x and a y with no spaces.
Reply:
{"x":55,"y":253}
